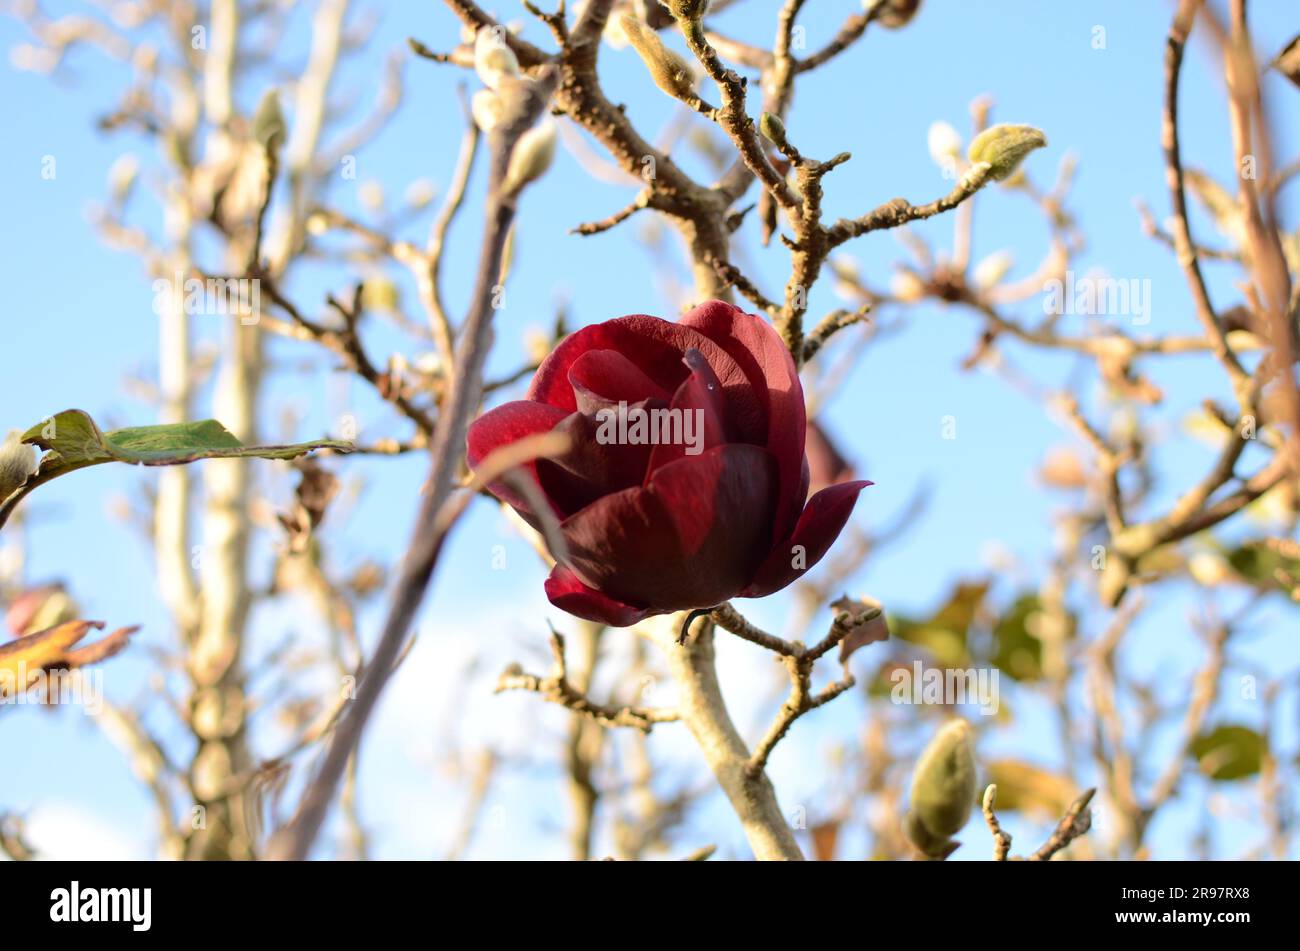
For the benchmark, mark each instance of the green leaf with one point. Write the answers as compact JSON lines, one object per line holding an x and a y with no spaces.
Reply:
{"x":1016,"y":651}
{"x":1026,"y":787}
{"x":1265,"y":566}
{"x":1018,"y":637}
{"x":73,"y":441}
{"x":944,"y":634}
{"x":1229,"y":752}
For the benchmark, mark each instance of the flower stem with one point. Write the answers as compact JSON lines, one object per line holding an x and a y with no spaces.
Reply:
{"x":704,"y":711}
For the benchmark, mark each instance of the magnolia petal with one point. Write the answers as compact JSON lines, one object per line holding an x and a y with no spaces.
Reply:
{"x":656,"y":347}
{"x":820,"y":524}
{"x":685,"y":540}
{"x":566,"y":591}
{"x":700,"y":409}
{"x":596,"y":464}
{"x":502,"y":426}
{"x":771,"y":374}
{"x":601,"y":379}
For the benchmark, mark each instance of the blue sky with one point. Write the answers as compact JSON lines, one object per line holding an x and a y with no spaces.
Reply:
{"x":78,"y":320}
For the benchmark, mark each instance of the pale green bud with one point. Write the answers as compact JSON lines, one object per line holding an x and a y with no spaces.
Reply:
{"x":990,"y":271}
{"x":122,"y":175}
{"x":419,"y":193}
{"x":381,"y":295}
{"x":492,"y":57}
{"x":907,"y":287}
{"x":269,"y":129}
{"x":1003,"y":147}
{"x":944,"y":142}
{"x":17,"y":463}
{"x":943,"y":788}
{"x":929,"y":845}
{"x":772,"y":128}
{"x":531,"y":157}
{"x":487,"y":109}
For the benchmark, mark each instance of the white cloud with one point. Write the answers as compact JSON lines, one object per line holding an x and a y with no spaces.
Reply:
{"x":66,"y":831}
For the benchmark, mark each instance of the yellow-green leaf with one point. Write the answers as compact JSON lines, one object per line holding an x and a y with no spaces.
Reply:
{"x":1229,"y":752}
{"x":73,"y":441}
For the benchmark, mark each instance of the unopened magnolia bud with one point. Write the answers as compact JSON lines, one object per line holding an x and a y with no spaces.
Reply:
{"x":893,"y":13}
{"x":429,"y":363}
{"x":420,"y":193}
{"x":992,"y":269}
{"x":531,"y":157}
{"x":1209,"y":568}
{"x":381,"y":295}
{"x":670,"y":71}
{"x":537,"y":345}
{"x":487,"y":109}
{"x":17,"y":462}
{"x":687,"y":9}
{"x":1004,"y":147}
{"x":614,"y":34}
{"x":906,"y":287}
{"x":943,"y":788}
{"x":772,"y":127}
{"x":492,"y":57}
{"x":944,"y":142}
{"x":269,"y":129}
{"x":122,"y":176}
{"x":925,"y":841}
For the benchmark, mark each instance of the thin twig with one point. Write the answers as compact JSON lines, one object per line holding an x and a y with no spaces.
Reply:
{"x":556,"y":688}
{"x":1077,"y":821}
{"x":1001,"y":840}
{"x":294,"y":841}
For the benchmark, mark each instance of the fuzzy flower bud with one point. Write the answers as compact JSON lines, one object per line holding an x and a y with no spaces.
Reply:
{"x":17,"y":462}
{"x":943,"y":790}
{"x":487,"y":109}
{"x":492,"y":57}
{"x":772,"y":128}
{"x":893,"y":14}
{"x":1004,"y":147}
{"x":687,"y":9}
{"x":907,"y":287}
{"x":122,"y":175}
{"x":990,"y":271}
{"x":531,"y":157}
{"x":670,"y":71}
{"x":269,"y":129}
{"x":945,"y":144}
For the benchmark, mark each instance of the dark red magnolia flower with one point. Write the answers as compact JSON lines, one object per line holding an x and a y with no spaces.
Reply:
{"x":683,"y":523}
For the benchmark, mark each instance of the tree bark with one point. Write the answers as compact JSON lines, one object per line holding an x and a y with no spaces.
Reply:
{"x":699,"y":700}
